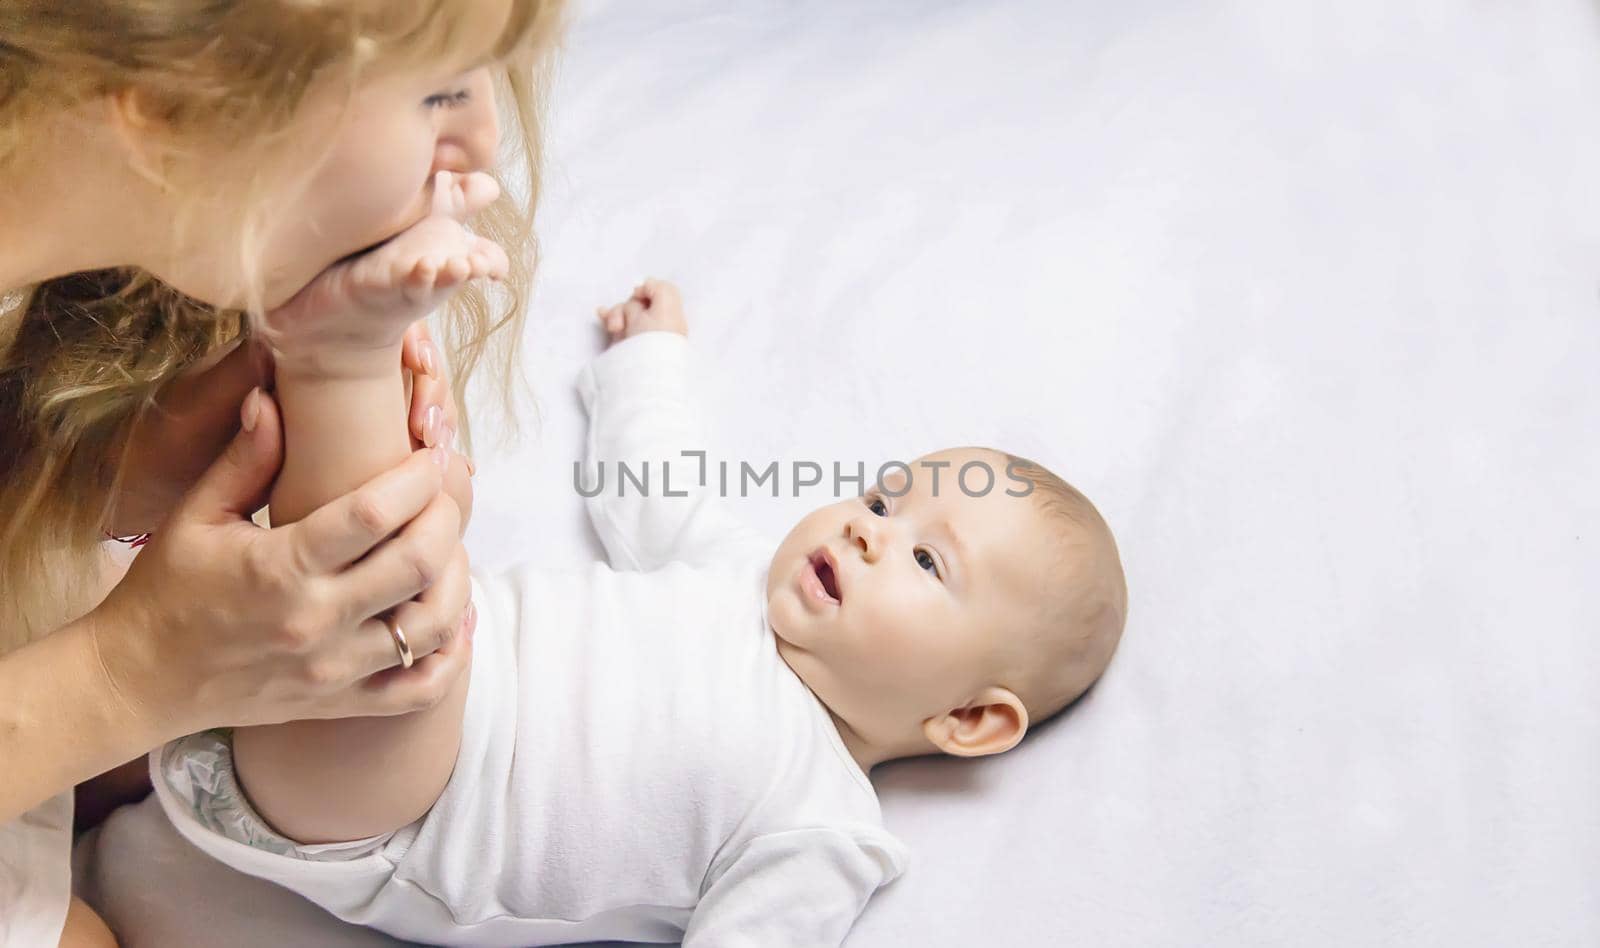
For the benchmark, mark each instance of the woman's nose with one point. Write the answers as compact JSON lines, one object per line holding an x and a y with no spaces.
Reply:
{"x":470,"y":138}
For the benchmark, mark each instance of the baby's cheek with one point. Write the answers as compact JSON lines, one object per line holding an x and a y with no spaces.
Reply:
{"x":893,"y":640}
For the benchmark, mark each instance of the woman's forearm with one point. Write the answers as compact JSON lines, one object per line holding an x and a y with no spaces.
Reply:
{"x":62,"y":719}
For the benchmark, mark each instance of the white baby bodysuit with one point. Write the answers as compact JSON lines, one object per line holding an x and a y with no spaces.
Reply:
{"x":637,"y":762}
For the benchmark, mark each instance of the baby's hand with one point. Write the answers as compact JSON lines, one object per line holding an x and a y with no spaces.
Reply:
{"x":654,"y":307}
{"x":363,"y":305}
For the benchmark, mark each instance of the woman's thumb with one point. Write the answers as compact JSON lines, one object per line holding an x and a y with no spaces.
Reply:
{"x":238,"y":482}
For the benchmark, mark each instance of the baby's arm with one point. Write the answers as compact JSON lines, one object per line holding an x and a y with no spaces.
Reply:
{"x":641,"y":414}
{"x":345,"y":420}
{"x":799,"y":887}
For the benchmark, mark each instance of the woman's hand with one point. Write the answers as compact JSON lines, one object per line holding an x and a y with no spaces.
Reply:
{"x":434,"y":419}
{"x":172,"y":445}
{"x":221,"y":622}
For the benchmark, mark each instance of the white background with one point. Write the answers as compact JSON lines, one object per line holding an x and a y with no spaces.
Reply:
{"x":1305,"y":296}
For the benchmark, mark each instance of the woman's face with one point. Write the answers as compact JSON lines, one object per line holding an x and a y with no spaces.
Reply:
{"x":378,"y":179}
{"x":373,"y":179}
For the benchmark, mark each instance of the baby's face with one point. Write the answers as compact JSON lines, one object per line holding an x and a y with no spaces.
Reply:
{"x":890,"y":608}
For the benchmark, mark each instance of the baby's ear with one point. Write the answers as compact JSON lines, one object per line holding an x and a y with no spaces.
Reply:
{"x":991,"y":723}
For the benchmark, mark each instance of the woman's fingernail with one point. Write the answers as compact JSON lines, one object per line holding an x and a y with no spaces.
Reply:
{"x":441,"y":457}
{"x":430,"y":425}
{"x":250,"y":412}
{"x":425,"y":353}
{"x":472,"y":469}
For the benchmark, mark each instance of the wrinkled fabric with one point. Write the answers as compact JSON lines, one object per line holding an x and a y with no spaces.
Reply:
{"x":35,"y":874}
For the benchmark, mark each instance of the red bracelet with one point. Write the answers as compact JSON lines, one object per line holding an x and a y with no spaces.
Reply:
{"x":132,"y":542}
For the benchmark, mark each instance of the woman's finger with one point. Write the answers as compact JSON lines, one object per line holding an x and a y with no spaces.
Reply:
{"x":458,"y":485}
{"x":434,"y":619}
{"x":402,"y":691}
{"x":427,"y":632}
{"x":236,"y":485}
{"x":417,"y":351}
{"x":404,"y":565}
{"x":433,"y":410}
{"x":342,"y":531}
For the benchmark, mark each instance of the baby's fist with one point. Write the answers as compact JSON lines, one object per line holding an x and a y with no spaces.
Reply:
{"x":654,"y":307}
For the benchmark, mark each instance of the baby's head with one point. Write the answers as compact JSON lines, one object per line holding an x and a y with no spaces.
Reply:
{"x":950,"y":606}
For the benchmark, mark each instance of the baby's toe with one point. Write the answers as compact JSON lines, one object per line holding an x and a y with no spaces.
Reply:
{"x":496,"y":263}
{"x":478,"y":191}
{"x":423,"y":273}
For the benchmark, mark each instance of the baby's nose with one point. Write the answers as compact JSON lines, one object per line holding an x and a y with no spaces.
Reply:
{"x":863,"y":537}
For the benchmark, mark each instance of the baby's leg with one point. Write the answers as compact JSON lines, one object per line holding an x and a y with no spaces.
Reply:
{"x":344,"y":779}
{"x":345,"y":421}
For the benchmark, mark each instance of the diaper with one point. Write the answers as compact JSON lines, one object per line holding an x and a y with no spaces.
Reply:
{"x":198,"y":769}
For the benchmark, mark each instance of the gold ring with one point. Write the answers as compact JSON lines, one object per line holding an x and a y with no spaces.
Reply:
{"x":400,"y":643}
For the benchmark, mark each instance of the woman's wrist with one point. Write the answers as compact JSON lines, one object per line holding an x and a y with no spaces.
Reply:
{"x":121,"y":671}
{"x":66,"y":717}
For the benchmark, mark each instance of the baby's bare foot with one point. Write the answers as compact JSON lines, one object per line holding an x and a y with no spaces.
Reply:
{"x":368,"y":302}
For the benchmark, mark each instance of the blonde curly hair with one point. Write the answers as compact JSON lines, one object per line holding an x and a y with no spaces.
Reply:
{"x":82,"y":357}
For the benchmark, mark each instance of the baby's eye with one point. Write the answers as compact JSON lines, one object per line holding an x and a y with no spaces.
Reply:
{"x":447,"y":100}
{"x":877,"y":507}
{"x":926,"y":561}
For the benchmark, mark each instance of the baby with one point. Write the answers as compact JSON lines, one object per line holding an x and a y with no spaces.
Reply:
{"x":676,"y":746}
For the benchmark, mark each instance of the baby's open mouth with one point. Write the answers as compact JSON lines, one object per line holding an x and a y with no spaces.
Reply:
{"x":822,"y":565}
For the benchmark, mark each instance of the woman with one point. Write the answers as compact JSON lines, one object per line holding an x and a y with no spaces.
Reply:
{"x":174,"y":167}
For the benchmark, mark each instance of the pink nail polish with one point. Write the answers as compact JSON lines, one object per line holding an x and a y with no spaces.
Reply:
{"x":430,"y":426}
{"x":250,"y":415}
{"x":425,"y":353}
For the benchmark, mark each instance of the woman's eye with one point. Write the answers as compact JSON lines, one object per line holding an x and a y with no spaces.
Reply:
{"x":447,"y":100}
{"x":877,"y":507}
{"x":926,"y":561}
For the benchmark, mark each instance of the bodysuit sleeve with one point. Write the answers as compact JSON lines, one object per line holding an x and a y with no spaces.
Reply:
{"x":644,"y":471}
{"x":799,"y":887}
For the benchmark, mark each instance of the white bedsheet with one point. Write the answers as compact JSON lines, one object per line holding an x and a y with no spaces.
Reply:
{"x":1306,"y":296}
